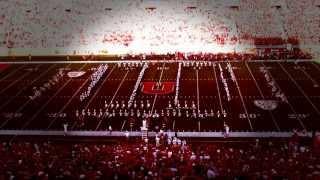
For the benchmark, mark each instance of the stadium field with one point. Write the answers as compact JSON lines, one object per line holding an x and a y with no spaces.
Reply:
{"x":185,"y":96}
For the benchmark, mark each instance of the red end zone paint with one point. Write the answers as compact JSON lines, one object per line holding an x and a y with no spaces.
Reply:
{"x":4,"y":66}
{"x":151,"y":88}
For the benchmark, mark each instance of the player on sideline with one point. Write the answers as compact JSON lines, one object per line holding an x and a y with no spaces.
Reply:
{"x":65,"y":128}
{"x":226,"y":130}
{"x":110,"y":129}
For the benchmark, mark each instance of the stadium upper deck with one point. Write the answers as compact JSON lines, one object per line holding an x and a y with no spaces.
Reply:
{"x":120,"y":27}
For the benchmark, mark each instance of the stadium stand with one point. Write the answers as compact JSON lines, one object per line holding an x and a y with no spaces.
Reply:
{"x":159,"y":89}
{"x":164,"y":158}
{"x":154,"y":26}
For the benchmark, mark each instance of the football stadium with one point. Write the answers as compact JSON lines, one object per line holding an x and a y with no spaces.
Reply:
{"x":160,"y":89}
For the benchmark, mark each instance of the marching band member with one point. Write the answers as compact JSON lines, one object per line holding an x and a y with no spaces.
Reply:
{"x":113,"y":113}
{"x":144,"y":114}
{"x":117,"y":105}
{"x":94,"y":112}
{"x":123,"y":105}
{"x":106,"y":113}
{"x":148,"y":104}
{"x":224,"y":113}
{"x":157,"y":140}
{"x":77,"y":113}
{"x":144,"y":123}
{"x":138,"y":113}
{"x":174,"y":112}
{"x":110,"y":129}
{"x":126,"y":114}
{"x":120,"y":113}
{"x":131,"y":112}
{"x":135,"y":104}
{"x":194,"y":114}
{"x":193,"y":105}
{"x":211,"y":113}
{"x":100,"y":113}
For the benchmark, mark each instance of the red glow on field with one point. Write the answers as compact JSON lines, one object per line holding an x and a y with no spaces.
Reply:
{"x":4,"y":66}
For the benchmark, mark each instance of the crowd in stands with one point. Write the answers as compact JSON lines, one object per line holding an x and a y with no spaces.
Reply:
{"x":157,"y":26}
{"x":302,"y":12}
{"x":265,"y":54}
{"x":161,"y":158}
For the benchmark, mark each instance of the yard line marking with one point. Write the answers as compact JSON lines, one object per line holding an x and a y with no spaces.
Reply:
{"x":290,"y":105}
{"x":314,"y":82}
{"x":11,"y":73}
{"x":215,"y":75}
{"x":161,"y":73}
{"x":315,"y":65}
{"x":47,"y":102}
{"x":98,"y":89}
{"x":262,"y":95}
{"x":123,"y":124}
{"x":156,"y":96}
{"x":22,"y":128}
{"x":69,"y":101}
{"x":20,"y":109}
{"x":15,"y":81}
{"x":198,"y":101}
{"x":22,"y":90}
{"x":300,"y":89}
{"x":114,"y":95}
{"x":243,"y":104}
{"x":25,"y":87}
{"x":173,"y":124}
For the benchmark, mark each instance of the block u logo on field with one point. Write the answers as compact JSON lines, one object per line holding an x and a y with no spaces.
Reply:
{"x":157,"y":88}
